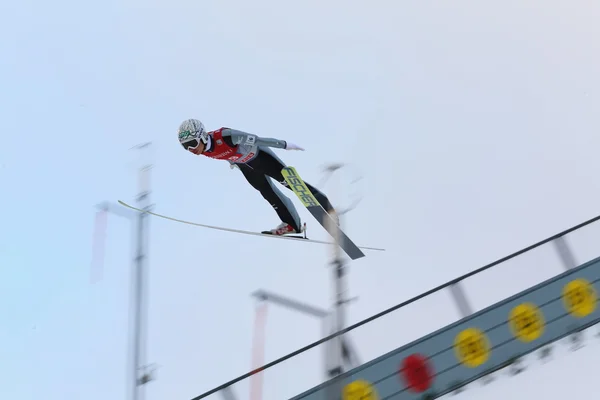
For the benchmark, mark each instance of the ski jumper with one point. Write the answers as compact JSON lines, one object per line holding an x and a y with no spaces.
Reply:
{"x":259,"y":164}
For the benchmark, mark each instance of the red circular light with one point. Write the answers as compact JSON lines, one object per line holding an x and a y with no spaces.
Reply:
{"x":417,"y":373}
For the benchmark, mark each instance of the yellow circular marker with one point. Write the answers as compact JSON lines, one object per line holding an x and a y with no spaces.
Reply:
{"x":472,"y":347}
{"x":526,"y":322}
{"x":359,"y":390}
{"x":579,"y":298}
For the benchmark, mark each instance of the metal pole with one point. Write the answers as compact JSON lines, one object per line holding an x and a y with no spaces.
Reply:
{"x":339,"y":315}
{"x":138,"y":355}
{"x":289,"y":303}
{"x":131,"y":363}
{"x":335,"y":348}
{"x":460,"y":298}
{"x":565,"y":253}
{"x":258,"y":351}
{"x":140,"y":305}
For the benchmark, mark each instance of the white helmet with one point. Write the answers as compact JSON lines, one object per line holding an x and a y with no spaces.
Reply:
{"x":191,"y":133}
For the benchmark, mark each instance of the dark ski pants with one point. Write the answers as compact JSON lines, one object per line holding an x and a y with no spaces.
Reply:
{"x":267,"y":165}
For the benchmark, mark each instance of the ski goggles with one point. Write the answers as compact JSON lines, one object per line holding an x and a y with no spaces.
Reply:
{"x":191,"y":144}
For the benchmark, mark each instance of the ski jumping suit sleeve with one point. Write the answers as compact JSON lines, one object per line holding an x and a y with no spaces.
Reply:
{"x":264,"y":164}
{"x":241,"y":138}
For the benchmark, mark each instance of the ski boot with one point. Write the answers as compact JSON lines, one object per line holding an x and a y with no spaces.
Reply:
{"x":287,"y":230}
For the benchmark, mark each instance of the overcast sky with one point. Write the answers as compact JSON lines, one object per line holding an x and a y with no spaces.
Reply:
{"x":473,"y":124}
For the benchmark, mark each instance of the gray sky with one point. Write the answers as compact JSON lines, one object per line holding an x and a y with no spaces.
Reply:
{"x":473,"y":124}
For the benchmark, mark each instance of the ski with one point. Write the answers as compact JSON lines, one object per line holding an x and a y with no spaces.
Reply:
{"x":319,"y":213}
{"x":300,"y":238}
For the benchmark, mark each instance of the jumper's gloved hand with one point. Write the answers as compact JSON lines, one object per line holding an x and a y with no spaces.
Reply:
{"x":292,"y":146}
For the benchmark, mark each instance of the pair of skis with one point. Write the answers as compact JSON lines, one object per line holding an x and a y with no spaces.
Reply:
{"x":316,"y":209}
{"x":312,"y":205}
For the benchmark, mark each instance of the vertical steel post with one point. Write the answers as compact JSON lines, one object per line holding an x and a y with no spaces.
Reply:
{"x":139,"y":282}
